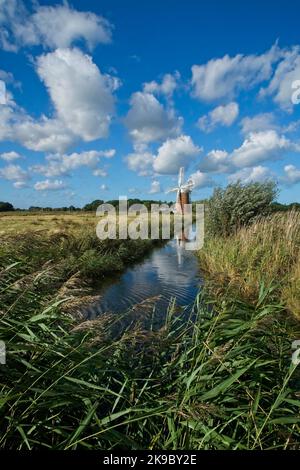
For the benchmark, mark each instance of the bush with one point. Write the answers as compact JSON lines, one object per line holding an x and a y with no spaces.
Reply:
{"x":238,"y":205}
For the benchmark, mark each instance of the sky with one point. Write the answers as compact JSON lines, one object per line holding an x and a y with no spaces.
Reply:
{"x":110,"y":98}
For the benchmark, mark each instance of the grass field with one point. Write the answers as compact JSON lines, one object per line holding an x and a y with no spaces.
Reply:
{"x":20,"y":222}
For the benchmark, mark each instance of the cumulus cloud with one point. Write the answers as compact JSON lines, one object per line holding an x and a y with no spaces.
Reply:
{"x":280,"y":87}
{"x":292,"y":175}
{"x":48,"y":185}
{"x":20,"y":184}
{"x":216,"y":161}
{"x":148,"y":121}
{"x":166,"y":87}
{"x":9,"y":79}
{"x":99,"y":172}
{"x":10,"y":156}
{"x":251,"y":175}
{"x":261,"y":146}
{"x":201,"y":180}
{"x":170,"y":156}
{"x":140,"y":161}
{"x":175,"y":153}
{"x":83,"y":101}
{"x":258,"y":123}
{"x":40,"y":135}
{"x":49,"y":26}
{"x":14,"y":172}
{"x":221,"y":115}
{"x":226,"y":76}
{"x":82,"y":96}
{"x":59,"y":165}
{"x":256,"y":148}
{"x":43,"y":135}
{"x":155,"y":187}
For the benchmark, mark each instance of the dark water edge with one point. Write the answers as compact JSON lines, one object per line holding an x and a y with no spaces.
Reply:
{"x":168,"y":273}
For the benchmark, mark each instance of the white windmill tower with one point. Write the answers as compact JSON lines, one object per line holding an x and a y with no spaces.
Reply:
{"x":183,"y":192}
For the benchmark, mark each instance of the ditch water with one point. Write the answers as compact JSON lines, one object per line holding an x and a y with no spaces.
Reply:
{"x":168,"y":272}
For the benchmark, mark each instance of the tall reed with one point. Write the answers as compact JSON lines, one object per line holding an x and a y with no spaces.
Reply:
{"x":268,"y":252}
{"x":217,"y":378}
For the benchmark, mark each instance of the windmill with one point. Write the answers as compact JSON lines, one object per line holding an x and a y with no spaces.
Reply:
{"x":183,"y":192}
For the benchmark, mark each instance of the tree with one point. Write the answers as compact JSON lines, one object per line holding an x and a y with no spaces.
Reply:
{"x":6,"y":206}
{"x":92,"y":206}
{"x":238,"y":205}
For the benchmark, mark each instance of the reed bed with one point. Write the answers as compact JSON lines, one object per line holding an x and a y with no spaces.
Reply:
{"x":215,"y":378}
{"x":266,"y":252}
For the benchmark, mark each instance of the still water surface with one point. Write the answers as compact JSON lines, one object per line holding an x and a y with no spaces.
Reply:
{"x":167,"y":272}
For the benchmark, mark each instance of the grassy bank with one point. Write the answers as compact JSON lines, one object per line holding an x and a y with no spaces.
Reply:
{"x":265,"y":253}
{"x":66,"y":253}
{"x":68,"y":245}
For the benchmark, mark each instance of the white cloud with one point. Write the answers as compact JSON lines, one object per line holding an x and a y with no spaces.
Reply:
{"x":108,"y":153}
{"x":251,"y":175}
{"x":140,"y":161}
{"x":148,"y":121}
{"x":256,"y":148}
{"x":168,"y":85}
{"x":175,"y":153}
{"x":99,"y":172}
{"x":222,"y":115}
{"x":171,"y":155}
{"x":258,"y":123}
{"x":201,"y":180}
{"x":280,"y":87}
{"x":292,"y":126}
{"x":155,"y":187}
{"x":49,"y":26}
{"x":48,"y":185}
{"x":292,"y":175}
{"x":83,"y":101}
{"x":9,"y":79}
{"x":216,"y":161}
{"x":20,"y":184}
{"x":58,"y":165}
{"x":14,"y":172}
{"x":103,"y":187}
{"x":223,"y":78}
{"x":10,"y":156}
{"x":43,"y":135}
{"x":259,"y":147}
{"x":82,"y":96}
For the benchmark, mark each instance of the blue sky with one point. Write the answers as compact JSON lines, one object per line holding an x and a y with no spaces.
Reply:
{"x":110,"y":98}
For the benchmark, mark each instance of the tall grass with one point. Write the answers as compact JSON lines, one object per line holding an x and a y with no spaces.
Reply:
{"x":266,"y":252}
{"x":219,"y":378}
{"x":67,"y":252}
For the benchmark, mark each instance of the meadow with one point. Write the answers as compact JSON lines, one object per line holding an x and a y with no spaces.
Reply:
{"x":219,"y":378}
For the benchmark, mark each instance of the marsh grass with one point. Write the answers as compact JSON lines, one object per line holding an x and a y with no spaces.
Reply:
{"x":267,"y":252}
{"x":220,"y":379}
